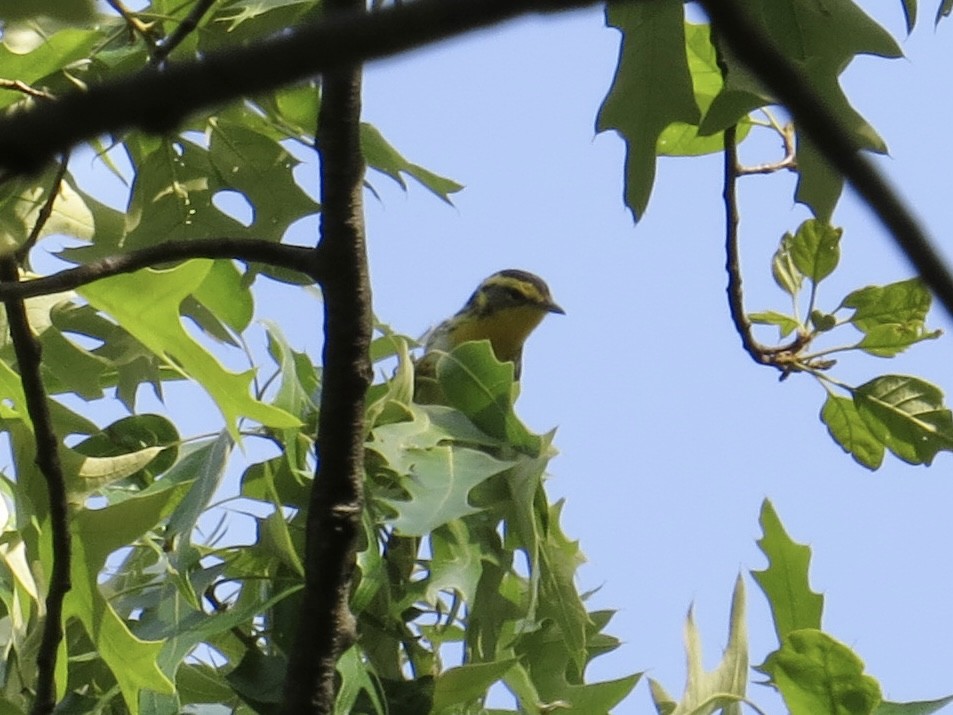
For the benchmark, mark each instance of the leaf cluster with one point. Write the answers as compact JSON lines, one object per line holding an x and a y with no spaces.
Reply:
{"x":903,"y":414}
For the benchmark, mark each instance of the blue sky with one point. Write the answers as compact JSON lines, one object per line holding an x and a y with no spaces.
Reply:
{"x":670,"y":437}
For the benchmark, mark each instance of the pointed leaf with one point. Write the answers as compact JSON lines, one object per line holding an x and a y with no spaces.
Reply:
{"x":785,"y":582}
{"x":652,"y":88}
{"x":481,"y":387}
{"x":146,"y":303}
{"x":786,"y":324}
{"x":438,"y":483}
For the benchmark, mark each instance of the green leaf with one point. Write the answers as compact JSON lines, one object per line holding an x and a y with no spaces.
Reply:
{"x":438,"y":482}
{"x":786,"y":324}
{"x":457,"y":686}
{"x":848,"y":429}
{"x":916,"y":708}
{"x":652,"y":88}
{"x":262,"y":171}
{"x":146,"y":303}
{"x":816,"y":674}
{"x":794,"y":605}
{"x":480,"y":386}
{"x":815,"y":249}
{"x":383,"y":157}
{"x":97,"y":533}
{"x":203,"y":464}
{"x":226,"y":296}
{"x":821,"y":38}
{"x":725,"y":686}
{"x":783,"y":269}
{"x":891,"y":317}
{"x":559,"y":558}
{"x":68,"y":10}
{"x":456,"y":562}
{"x":298,"y":389}
{"x":684,"y":139}
{"x":910,"y":14}
{"x":907,"y":415}
{"x":34,"y":56}
{"x":822,"y":321}
{"x":946,"y":7}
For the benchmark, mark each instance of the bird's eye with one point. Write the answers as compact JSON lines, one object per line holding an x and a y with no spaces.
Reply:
{"x":515,"y":293}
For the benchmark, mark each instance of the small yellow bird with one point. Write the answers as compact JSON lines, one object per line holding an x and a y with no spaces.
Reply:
{"x":504,"y":309}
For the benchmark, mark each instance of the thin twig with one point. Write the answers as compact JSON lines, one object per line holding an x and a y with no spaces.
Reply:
{"x":293,"y":258}
{"x":28,"y":354}
{"x":143,"y":29}
{"x":817,"y":121}
{"x":788,"y":161}
{"x":45,"y":212}
{"x":164,"y":47}
{"x":22,"y":87}
{"x":783,"y":357}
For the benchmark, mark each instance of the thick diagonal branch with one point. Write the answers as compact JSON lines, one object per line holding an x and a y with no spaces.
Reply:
{"x":326,"y":627}
{"x":159,"y":100}
{"x":27,"y":350}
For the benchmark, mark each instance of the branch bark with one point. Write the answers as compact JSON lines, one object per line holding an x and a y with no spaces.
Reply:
{"x":28,"y":354}
{"x":293,"y":258}
{"x":326,"y":627}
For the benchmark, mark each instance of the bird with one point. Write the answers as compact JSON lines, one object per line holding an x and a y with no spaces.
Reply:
{"x":504,"y":309}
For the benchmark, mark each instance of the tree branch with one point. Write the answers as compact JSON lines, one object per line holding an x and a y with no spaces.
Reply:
{"x":28,"y":354}
{"x":164,"y":47}
{"x":45,"y":212}
{"x":326,"y":627}
{"x":250,"y":250}
{"x":158,"y":100}
{"x":818,"y":122}
{"x":784,"y":357}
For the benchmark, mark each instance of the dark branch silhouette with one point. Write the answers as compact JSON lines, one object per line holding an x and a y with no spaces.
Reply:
{"x":326,"y":626}
{"x":157,"y":100}
{"x":294,"y":258}
{"x":28,"y":353}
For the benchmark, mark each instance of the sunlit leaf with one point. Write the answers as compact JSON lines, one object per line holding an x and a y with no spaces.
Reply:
{"x":785,"y":582}
{"x":907,"y":415}
{"x":849,"y":430}
{"x":816,"y":674}
{"x":815,"y":249}
{"x":146,"y":303}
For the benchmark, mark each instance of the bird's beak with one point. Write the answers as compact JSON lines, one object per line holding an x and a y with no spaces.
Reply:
{"x":552,"y":307}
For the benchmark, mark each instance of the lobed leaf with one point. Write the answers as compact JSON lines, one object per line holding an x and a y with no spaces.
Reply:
{"x":146,"y":303}
{"x":794,"y":605}
{"x":652,"y":88}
